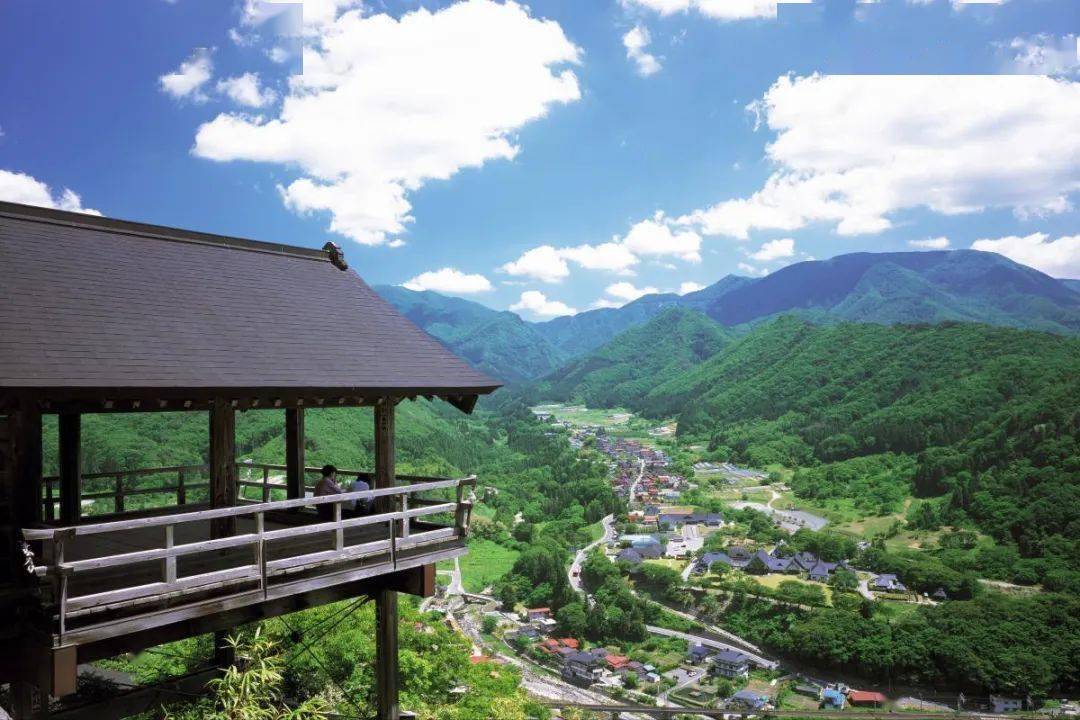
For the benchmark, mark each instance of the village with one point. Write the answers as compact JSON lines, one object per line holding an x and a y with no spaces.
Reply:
{"x":701,"y":666}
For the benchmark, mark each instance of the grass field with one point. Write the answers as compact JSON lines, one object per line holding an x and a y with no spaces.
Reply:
{"x":773,"y":581}
{"x":485,"y":563}
{"x":595,"y":531}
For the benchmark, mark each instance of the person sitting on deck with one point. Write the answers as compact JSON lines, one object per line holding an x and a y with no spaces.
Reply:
{"x":328,"y":485}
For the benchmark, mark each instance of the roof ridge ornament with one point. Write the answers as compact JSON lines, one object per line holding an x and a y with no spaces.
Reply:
{"x":337,"y":257}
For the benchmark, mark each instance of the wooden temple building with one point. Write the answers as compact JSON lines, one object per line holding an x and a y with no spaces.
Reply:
{"x":107,"y":316}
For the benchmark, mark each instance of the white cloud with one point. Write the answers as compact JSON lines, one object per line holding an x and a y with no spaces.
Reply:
{"x":751,"y":270}
{"x":635,"y":41}
{"x":449,"y":280}
{"x":606,"y":303}
{"x":610,"y":256}
{"x":549,"y":264}
{"x":649,"y":238}
{"x":543,"y":263}
{"x":774,"y":250}
{"x":656,"y":237}
{"x":245,"y":90}
{"x":934,"y":243}
{"x":1058,"y":258}
{"x":535,"y":302}
{"x":475,"y":73}
{"x":22,"y":188}
{"x":724,"y":10}
{"x":1043,"y":54}
{"x":626,"y":291}
{"x":689,"y":287}
{"x":187,"y":81}
{"x":853,"y":150}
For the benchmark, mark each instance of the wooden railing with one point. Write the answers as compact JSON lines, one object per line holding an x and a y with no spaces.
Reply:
{"x":399,"y":536}
{"x":119,"y":492}
{"x":124,"y":485}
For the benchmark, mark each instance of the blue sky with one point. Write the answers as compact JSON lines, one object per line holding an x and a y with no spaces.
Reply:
{"x":561,"y":155}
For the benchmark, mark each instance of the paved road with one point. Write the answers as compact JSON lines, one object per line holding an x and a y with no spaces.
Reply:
{"x":709,"y":642}
{"x":574,"y":573}
{"x":455,"y":587}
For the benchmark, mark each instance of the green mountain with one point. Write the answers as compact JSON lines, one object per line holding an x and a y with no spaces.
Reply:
{"x":577,"y":334}
{"x":625,"y":369}
{"x":908,"y":287}
{"x":499,"y":343}
{"x":984,"y":418}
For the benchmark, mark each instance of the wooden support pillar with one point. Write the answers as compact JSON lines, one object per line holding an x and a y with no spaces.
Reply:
{"x":222,"y":464}
{"x":386,"y":607}
{"x":222,"y":494}
{"x":294,"y":452}
{"x":70,"y":441}
{"x":27,"y":493}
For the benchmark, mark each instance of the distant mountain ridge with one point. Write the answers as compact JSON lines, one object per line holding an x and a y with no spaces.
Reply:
{"x":883,"y":288}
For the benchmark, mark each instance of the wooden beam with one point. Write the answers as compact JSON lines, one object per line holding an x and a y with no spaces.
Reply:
{"x":294,"y":453}
{"x":386,"y":606}
{"x":70,"y":441}
{"x":222,"y":465}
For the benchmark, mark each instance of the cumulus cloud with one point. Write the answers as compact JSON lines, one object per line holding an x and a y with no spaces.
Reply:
{"x":245,"y":90}
{"x":188,"y":80}
{"x":752,"y":270}
{"x":627,"y":292}
{"x":22,"y":188}
{"x":724,"y":10}
{"x":476,"y":72}
{"x":935,"y":243}
{"x":543,"y":263}
{"x":774,"y":250}
{"x":635,"y":41}
{"x":854,"y":150}
{"x":656,"y":237}
{"x":535,"y":302}
{"x":1058,"y":258}
{"x":689,"y":286}
{"x":449,"y":280}
{"x":649,"y":238}
{"x":1043,"y":54}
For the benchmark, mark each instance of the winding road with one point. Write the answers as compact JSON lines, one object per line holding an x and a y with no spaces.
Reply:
{"x":574,"y":573}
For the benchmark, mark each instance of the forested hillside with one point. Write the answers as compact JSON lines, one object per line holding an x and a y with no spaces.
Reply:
{"x":984,"y":419}
{"x":623,"y":371}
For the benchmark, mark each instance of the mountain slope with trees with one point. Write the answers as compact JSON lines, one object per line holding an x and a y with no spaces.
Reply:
{"x":988,"y":416}
{"x":625,"y":369}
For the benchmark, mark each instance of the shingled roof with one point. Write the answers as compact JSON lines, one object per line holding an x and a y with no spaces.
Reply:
{"x":96,"y":303}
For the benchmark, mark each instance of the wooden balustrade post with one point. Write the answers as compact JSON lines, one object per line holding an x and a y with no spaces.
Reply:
{"x":266,"y":485}
{"x":168,"y":565}
{"x":181,"y":491}
{"x":118,"y":493}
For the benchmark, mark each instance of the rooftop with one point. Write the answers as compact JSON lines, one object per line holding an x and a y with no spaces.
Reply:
{"x":94,"y":303}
